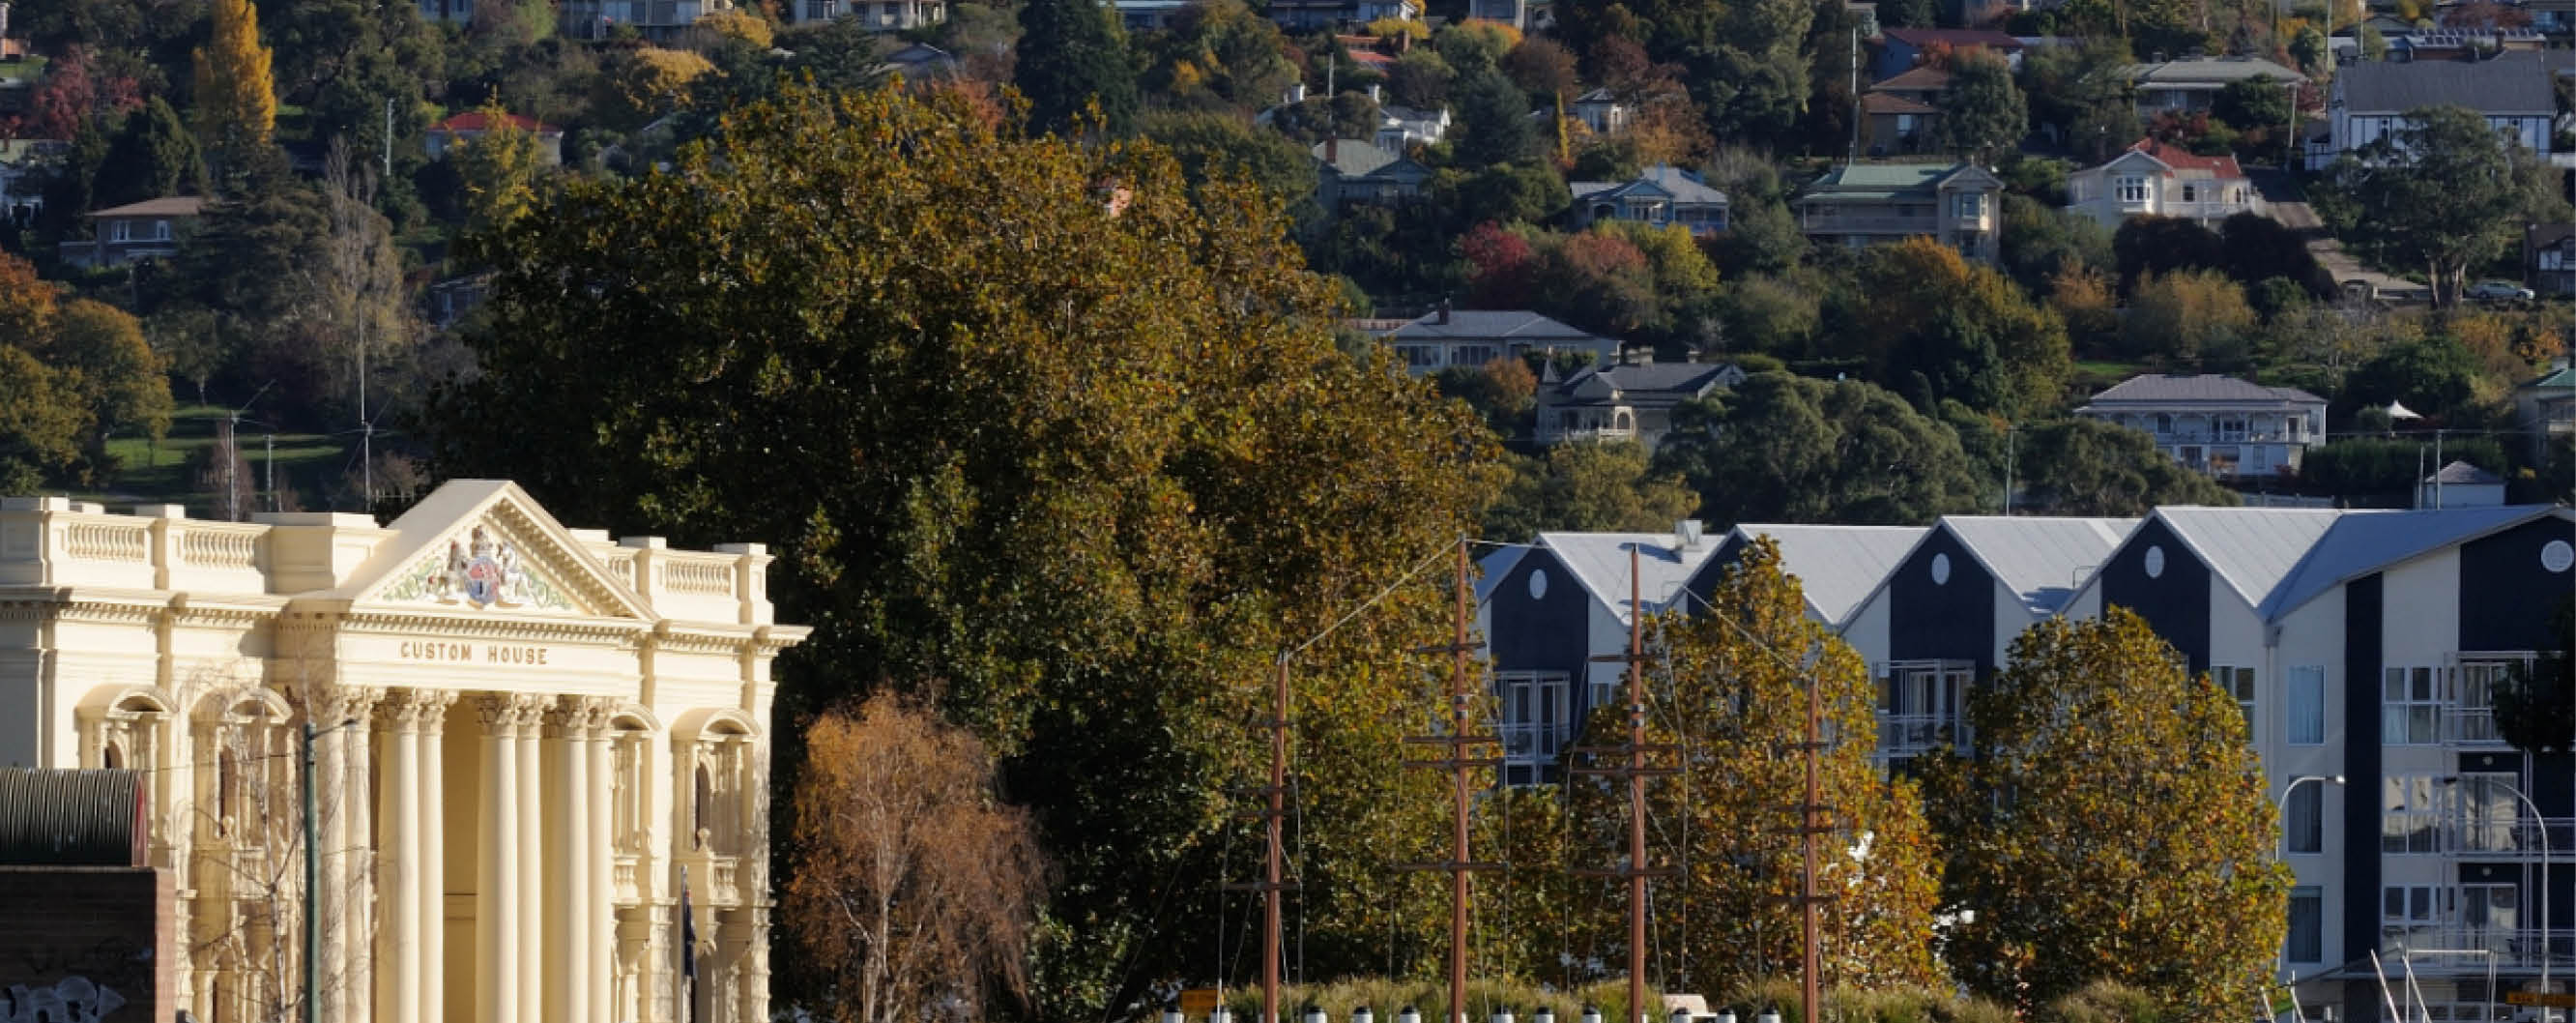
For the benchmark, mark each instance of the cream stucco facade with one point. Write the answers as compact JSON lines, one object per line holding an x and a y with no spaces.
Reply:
{"x":529,"y":736}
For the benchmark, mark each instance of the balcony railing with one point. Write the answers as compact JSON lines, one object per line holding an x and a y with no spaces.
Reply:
{"x":1906,"y":735}
{"x":1526,"y":743}
{"x":2514,"y":949}
{"x":2229,"y":437}
{"x":1594,"y":433}
{"x":2470,"y":726}
{"x":1870,"y":223}
{"x":2478,"y":836}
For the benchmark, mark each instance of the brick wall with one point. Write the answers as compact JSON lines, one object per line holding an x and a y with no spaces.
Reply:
{"x":67,"y":932}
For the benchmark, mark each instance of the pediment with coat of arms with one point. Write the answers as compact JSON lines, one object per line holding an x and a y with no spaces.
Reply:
{"x":483,"y":546}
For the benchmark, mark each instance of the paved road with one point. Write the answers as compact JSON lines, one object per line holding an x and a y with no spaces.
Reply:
{"x":2283,"y":202}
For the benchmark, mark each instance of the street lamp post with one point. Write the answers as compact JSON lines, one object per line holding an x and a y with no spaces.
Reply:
{"x":2281,"y":813}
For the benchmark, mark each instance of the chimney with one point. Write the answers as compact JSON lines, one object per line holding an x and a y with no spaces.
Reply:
{"x":1373,"y":93}
{"x":1296,"y":93}
{"x":1687,"y":534}
{"x":1444,"y":312}
{"x":1333,"y":150}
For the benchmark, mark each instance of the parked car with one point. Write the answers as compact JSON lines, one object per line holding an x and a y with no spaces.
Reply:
{"x":2500,"y":291}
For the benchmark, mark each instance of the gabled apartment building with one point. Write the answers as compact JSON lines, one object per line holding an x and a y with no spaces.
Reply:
{"x":1943,"y":620}
{"x":2365,"y":649}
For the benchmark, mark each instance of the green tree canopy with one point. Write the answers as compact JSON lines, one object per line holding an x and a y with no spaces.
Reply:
{"x":1081,"y":450}
{"x":1780,"y":448}
{"x":1073,"y":55}
{"x":2112,"y":826}
{"x":1917,"y":308}
{"x":2089,"y":467}
{"x":1587,"y":486}
{"x":2440,"y":190}
{"x":153,"y":156}
{"x":1984,"y":113}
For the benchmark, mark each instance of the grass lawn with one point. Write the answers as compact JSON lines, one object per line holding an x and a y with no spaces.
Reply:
{"x":28,"y":69}
{"x":157,"y":474}
{"x":2094,"y":376}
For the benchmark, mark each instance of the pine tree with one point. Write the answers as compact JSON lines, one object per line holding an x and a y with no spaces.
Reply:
{"x":1071,"y":55}
{"x":236,"y":99}
{"x":154,"y":156}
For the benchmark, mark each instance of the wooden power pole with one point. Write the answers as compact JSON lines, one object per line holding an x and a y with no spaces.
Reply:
{"x":1271,"y":817}
{"x":1632,"y":767}
{"x":1458,"y":744}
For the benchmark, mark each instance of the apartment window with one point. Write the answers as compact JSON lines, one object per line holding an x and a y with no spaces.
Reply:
{"x":2164,"y":423}
{"x":1473,"y":355}
{"x":2473,"y":713}
{"x":2306,"y":694}
{"x":2304,"y":827}
{"x":2410,"y":819}
{"x":2239,"y":683}
{"x":1968,"y":206}
{"x":2490,"y":816}
{"x":1420,"y":356}
{"x":2409,"y":914}
{"x":2133,"y":190}
{"x":2307,"y":943}
{"x":2191,"y":193}
{"x":1921,"y":706}
{"x":2410,"y":707}
{"x":120,"y":231}
{"x":1534,"y":713}
{"x":2490,"y":913}
{"x":160,"y":230}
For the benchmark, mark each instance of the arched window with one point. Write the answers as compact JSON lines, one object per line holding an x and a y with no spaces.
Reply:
{"x":111,"y":757}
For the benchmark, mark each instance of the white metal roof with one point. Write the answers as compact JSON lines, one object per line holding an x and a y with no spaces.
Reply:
{"x":2042,"y":559}
{"x":1600,"y":562}
{"x":2252,"y":548}
{"x":1837,"y":566}
{"x":2358,"y":545}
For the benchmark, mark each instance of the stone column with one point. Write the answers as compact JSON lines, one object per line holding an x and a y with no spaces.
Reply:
{"x":399,"y":875}
{"x":505,"y":980}
{"x":569,"y":930}
{"x":357,"y":849}
{"x":326,"y":707}
{"x":430,"y":851}
{"x":532,"y":862}
{"x":602,"y":915}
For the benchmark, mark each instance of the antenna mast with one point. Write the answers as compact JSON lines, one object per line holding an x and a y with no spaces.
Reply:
{"x":1635,"y":772}
{"x":1458,"y":742}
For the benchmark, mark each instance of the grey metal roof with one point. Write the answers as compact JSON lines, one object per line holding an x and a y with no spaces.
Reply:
{"x":2210,"y":387}
{"x":2460,"y":473}
{"x":1353,"y":157}
{"x":2043,"y":560}
{"x":2210,"y":71}
{"x":2251,"y":548}
{"x":1484,"y":324}
{"x":1493,"y":567}
{"x":71,"y":818}
{"x":1681,"y":378}
{"x":2359,"y":544}
{"x":1837,"y":566}
{"x":1662,"y":179}
{"x":2510,"y":83}
{"x":1600,"y":562}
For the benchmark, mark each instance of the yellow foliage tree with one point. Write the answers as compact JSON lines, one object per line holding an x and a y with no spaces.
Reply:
{"x":743,"y":25}
{"x":236,"y":98}
{"x":650,"y":82}
{"x":499,"y":170}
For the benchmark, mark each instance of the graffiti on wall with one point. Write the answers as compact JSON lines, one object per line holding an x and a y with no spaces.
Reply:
{"x":70,"y":1000}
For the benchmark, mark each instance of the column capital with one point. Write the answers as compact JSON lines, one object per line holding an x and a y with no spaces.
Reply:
{"x":509,"y":712}
{"x":409,"y":710}
{"x":579,"y":717}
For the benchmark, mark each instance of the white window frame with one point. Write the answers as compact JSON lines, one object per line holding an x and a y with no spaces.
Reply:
{"x":2131,"y":189}
{"x":2305,"y":698}
{"x":2238,"y":683}
{"x":2410,"y":705}
{"x":2303,"y":825}
{"x":1922,"y":706}
{"x":1537,"y":714}
{"x":2312,"y":950}
{"x":2414,"y":810}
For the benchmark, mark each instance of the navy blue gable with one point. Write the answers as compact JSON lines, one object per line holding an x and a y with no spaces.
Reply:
{"x":2507,"y":590}
{"x":2158,"y":577}
{"x":1941,"y":605}
{"x":1540,"y":617}
{"x":1704,"y":582}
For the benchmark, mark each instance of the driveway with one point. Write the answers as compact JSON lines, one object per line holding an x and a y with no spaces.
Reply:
{"x":2284,"y":203}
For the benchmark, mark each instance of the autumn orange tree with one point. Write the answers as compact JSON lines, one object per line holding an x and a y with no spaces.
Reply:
{"x":915,"y":885}
{"x":2113,"y":826}
{"x":1926,"y":319}
{"x":1035,"y":417}
{"x":71,"y":374}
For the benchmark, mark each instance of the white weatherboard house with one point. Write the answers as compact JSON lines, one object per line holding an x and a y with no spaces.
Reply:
{"x":2511,"y":90}
{"x":2220,"y":425}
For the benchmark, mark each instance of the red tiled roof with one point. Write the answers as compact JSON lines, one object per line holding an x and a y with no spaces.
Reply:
{"x":2179,"y":158}
{"x":1891,"y":103}
{"x":1923,"y":78}
{"x":1957,"y":37}
{"x":475,"y":120}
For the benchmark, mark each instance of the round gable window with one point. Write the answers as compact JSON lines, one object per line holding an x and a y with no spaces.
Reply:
{"x":1940,"y":570}
{"x":2557,"y":556}
{"x":2155,"y":560}
{"x":1538,"y":584}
